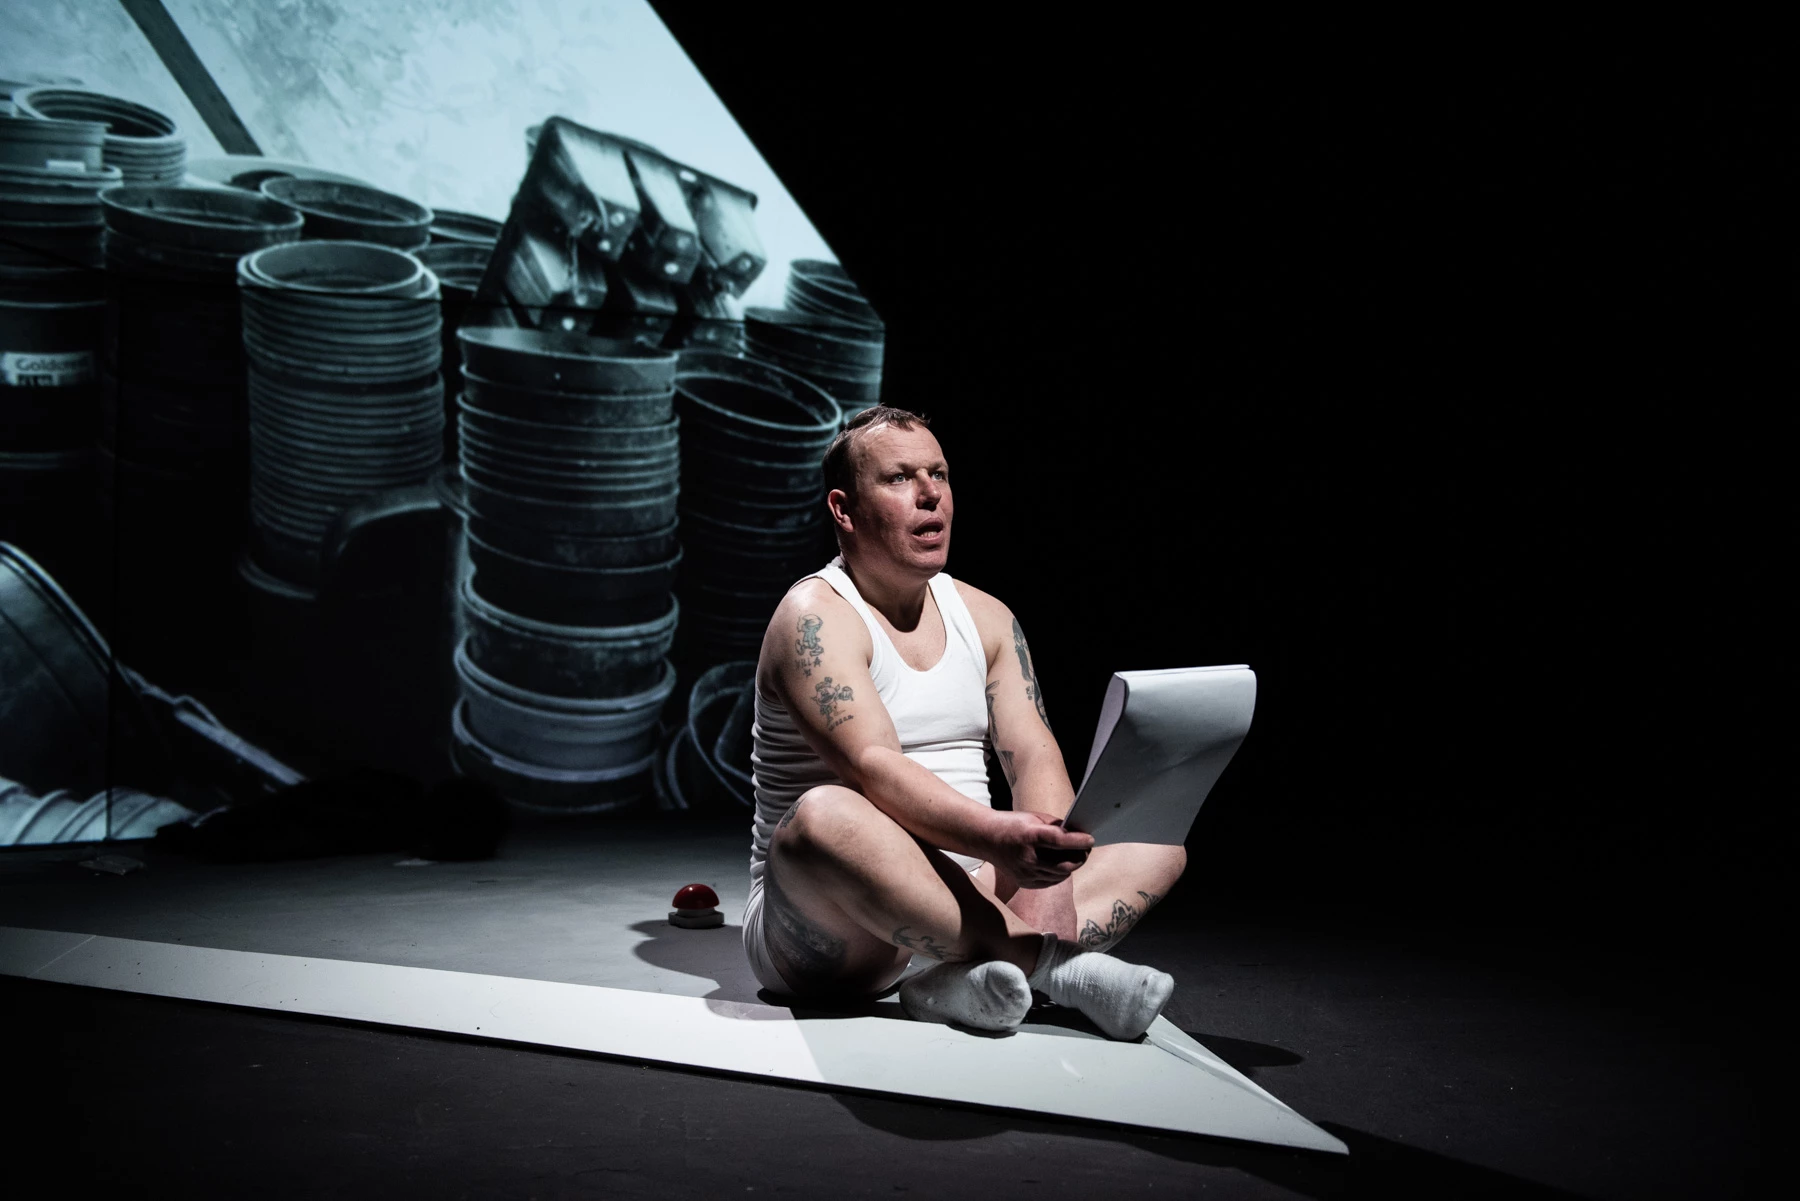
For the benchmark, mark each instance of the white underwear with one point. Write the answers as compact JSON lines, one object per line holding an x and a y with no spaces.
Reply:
{"x":756,"y":946}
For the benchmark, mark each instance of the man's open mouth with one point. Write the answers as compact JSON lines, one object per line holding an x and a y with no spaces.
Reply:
{"x":927,"y":528}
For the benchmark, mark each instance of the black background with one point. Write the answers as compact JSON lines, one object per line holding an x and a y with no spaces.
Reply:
{"x":1437,"y":396}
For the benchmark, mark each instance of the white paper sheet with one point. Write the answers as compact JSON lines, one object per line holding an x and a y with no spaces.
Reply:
{"x":1163,"y":739}
{"x":1167,"y":1082}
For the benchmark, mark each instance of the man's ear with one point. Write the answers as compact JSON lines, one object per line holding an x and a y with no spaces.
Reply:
{"x":837,"y":499}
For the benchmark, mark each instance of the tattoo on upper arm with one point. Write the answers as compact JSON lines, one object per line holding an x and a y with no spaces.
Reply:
{"x":1006,"y":756}
{"x":809,"y":652}
{"x":925,"y":944}
{"x":828,"y":697}
{"x":1033,"y":689}
{"x":1094,"y":937}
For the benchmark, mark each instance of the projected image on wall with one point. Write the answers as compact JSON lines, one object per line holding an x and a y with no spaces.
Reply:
{"x":433,"y":392}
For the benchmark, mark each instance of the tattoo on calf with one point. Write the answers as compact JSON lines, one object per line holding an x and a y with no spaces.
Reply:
{"x":828,"y":697}
{"x":1124,"y":916}
{"x":808,"y":650}
{"x":1033,"y":689}
{"x":926,"y":945}
{"x":1006,"y":756}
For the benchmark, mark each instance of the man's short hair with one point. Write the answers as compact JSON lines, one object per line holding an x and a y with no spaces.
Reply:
{"x":840,"y":457}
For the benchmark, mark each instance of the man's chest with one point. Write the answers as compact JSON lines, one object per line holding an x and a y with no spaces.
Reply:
{"x":921,"y":647}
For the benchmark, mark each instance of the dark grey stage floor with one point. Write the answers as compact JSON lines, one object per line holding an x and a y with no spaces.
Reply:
{"x":1454,"y":1063}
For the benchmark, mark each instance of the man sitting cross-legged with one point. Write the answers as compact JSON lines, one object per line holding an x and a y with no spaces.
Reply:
{"x":880,"y":686}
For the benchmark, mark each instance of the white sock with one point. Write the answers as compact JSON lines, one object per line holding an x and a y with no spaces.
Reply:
{"x":988,"y":996}
{"x":1121,"y":998}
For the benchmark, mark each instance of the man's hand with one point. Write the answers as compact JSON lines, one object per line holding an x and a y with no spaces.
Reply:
{"x":1034,"y":849}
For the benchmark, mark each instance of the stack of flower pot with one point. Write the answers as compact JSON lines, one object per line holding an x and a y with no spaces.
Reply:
{"x":142,"y":143}
{"x":570,"y":457}
{"x":348,"y":212}
{"x":753,"y":441}
{"x":464,"y":229}
{"x":51,"y":301}
{"x":175,"y":400}
{"x":459,"y":266}
{"x":343,"y":340}
{"x":827,"y":333}
{"x":174,"y":431}
{"x":707,"y":762}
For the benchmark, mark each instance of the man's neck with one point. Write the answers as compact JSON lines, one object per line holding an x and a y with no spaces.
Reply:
{"x":898,"y":597}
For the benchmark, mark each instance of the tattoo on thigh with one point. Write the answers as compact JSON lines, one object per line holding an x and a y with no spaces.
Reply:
{"x":789,"y":815}
{"x":828,"y":697}
{"x":809,"y":652}
{"x":1124,"y":916}
{"x":809,"y":953}
{"x":925,"y":944}
{"x":1033,"y":689}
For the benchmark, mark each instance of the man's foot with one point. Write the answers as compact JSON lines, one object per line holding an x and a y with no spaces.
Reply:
{"x":986,"y":996}
{"x":1121,"y":998}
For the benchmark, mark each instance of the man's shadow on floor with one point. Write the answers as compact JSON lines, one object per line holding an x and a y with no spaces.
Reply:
{"x":1375,"y":1168}
{"x":717,"y":955}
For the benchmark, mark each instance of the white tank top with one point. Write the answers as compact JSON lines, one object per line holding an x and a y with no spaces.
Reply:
{"x":940,"y":715}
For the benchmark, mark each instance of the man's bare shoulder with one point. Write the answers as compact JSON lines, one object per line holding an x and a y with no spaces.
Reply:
{"x":814,"y":595}
{"x":993,"y":619}
{"x":801,"y":620}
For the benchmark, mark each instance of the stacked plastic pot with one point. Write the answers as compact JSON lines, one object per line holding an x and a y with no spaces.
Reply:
{"x":175,"y":401}
{"x":827,"y":333}
{"x":459,"y":266}
{"x":707,"y":762}
{"x":175,"y":433}
{"x":343,"y":340}
{"x":753,"y":441}
{"x":466,"y":229}
{"x":142,"y":143}
{"x":570,"y":458}
{"x":51,"y":302}
{"x":348,"y":212}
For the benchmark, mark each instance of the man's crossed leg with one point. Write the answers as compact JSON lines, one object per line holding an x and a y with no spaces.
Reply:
{"x":850,"y":896}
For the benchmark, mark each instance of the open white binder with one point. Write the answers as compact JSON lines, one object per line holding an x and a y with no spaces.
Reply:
{"x":1163,"y":739}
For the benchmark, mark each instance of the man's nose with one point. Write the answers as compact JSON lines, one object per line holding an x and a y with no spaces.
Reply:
{"x":929,"y":492}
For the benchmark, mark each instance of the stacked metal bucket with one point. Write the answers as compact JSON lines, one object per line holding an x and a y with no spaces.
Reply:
{"x":142,"y":143}
{"x":570,"y":458}
{"x":827,"y":333}
{"x":343,"y":341}
{"x":51,"y":303}
{"x":753,"y":440}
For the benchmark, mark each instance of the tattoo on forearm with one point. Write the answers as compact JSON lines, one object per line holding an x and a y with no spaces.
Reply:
{"x":1125,"y":915}
{"x":1006,"y":756}
{"x":925,"y":944}
{"x":809,"y":652}
{"x":828,"y":697}
{"x":1033,"y":689}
